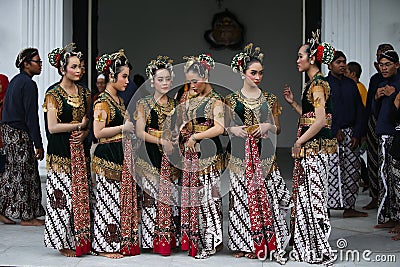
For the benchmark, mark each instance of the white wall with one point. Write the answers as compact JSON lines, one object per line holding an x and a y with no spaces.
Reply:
{"x":11,"y":38}
{"x":358,"y":26}
{"x":146,"y":29}
{"x":384,"y":26}
{"x":345,"y":24}
{"x":44,"y":24}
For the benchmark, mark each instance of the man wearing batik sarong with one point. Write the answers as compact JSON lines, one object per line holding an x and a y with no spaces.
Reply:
{"x":372,"y":138}
{"x":388,"y":203}
{"x":395,"y":166}
{"x":348,"y":127}
{"x":20,"y":187}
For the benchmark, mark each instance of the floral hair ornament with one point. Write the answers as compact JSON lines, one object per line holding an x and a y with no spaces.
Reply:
{"x":240,"y":60}
{"x":204,"y":60}
{"x":106,"y":63}
{"x":58,"y":56}
{"x":161,"y":62}
{"x":323,"y":52}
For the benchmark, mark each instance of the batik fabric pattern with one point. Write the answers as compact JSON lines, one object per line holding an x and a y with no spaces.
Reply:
{"x":310,"y":225}
{"x":159,"y":180}
{"x":20,"y":186}
{"x":201,"y":212}
{"x":115,"y":217}
{"x":67,"y":224}
{"x":259,"y":199}
{"x":344,"y":174}
{"x":388,"y":203}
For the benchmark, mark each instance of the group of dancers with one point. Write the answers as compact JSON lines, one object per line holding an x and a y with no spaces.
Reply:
{"x":179,"y":204}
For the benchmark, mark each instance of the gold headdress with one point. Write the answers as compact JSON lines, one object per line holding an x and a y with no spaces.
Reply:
{"x":204,"y":60}
{"x":107,"y":63}
{"x":240,"y":60}
{"x":58,"y":56}
{"x":161,"y":62}
{"x":323,"y":52}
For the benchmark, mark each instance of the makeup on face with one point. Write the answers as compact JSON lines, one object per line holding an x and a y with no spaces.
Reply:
{"x":255,"y":73}
{"x":162,"y":81}
{"x":196,"y":83}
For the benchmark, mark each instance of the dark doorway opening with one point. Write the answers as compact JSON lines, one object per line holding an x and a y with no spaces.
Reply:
{"x":80,"y":35}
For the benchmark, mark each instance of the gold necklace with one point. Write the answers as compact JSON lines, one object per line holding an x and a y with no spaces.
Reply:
{"x":196,"y":102}
{"x":251,"y":103}
{"x":163,"y":109}
{"x":112,"y":97}
{"x":73,"y":99}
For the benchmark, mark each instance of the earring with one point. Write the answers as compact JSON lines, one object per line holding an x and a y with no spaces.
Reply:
{"x":242,"y":76}
{"x":312,"y":62}
{"x":63,"y":73}
{"x":151,"y":84}
{"x":112,"y":80}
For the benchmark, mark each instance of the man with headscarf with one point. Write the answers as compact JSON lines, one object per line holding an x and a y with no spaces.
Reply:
{"x":20,"y":186}
{"x":348,"y":127}
{"x":372,"y":139}
{"x":382,"y":106}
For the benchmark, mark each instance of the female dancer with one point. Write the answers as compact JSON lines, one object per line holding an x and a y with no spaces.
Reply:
{"x":310,"y":224}
{"x":201,"y":216}
{"x":67,"y":226}
{"x":115,"y":216}
{"x":256,"y":214}
{"x":153,"y":115}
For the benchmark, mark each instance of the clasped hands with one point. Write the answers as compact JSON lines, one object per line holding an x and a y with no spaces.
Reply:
{"x":297,"y":151}
{"x":384,"y":91}
{"x":81,"y":132}
{"x":259,"y":132}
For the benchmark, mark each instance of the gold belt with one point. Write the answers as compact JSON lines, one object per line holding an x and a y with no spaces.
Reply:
{"x":197,"y":128}
{"x":155,"y":133}
{"x":201,"y":128}
{"x":110,"y":139}
{"x":309,"y":121}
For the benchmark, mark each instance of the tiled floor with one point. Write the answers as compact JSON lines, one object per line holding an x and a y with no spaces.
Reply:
{"x":23,"y":246}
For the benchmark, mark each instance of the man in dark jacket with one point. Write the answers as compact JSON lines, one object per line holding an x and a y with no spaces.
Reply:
{"x":348,"y":127}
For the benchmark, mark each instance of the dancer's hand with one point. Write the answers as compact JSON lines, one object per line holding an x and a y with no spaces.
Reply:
{"x":296,"y":151}
{"x":168,"y":146}
{"x":190,"y":144}
{"x":287,"y":94}
{"x":262,"y":130}
{"x":79,"y":136}
{"x":128,"y":127}
{"x":238,"y":131}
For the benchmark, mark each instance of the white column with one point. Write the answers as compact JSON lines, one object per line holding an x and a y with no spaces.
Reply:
{"x":42,"y":27}
{"x":346,"y":24}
